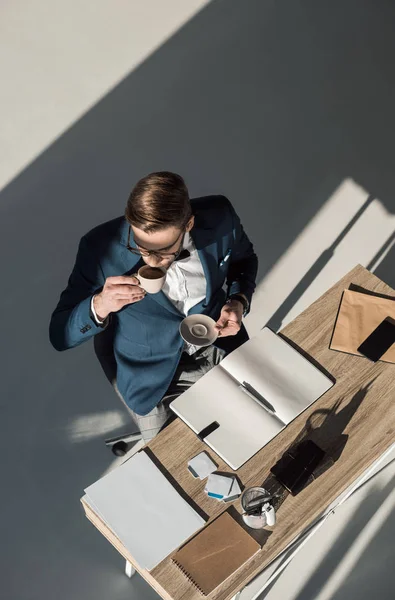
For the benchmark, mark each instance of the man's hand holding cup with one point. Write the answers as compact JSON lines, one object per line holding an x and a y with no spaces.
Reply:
{"x":117,"y":293}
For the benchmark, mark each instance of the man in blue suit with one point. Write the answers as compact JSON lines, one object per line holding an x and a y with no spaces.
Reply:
{"x":204,"y":249}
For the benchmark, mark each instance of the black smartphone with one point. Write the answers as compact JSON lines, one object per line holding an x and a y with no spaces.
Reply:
{"x":379,"y":340}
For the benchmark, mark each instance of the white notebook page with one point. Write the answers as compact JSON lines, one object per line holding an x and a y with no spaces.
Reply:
{"x":286,"y":379}
{"x":245,"y":427}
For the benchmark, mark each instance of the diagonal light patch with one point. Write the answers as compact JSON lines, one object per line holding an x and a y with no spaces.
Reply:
{"x":351,"y":228}
{"x":58,"y":60}
{"x":361,"y":544}
{"x":88,"y":427}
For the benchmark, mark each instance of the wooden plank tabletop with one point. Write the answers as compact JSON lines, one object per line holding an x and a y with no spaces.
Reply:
{"x":354,"y":422}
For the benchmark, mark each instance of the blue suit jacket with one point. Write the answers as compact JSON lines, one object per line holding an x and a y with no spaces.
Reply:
{"x":147,"y":343}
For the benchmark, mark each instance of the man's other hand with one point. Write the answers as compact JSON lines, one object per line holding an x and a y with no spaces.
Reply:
{"x":229,"y":322}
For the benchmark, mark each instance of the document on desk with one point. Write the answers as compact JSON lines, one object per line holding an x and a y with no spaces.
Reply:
{"x":144,"y":510}
{"x":246,"y":400}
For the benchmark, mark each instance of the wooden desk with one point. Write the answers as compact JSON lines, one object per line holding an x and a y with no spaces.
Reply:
{"x":354,"y":421}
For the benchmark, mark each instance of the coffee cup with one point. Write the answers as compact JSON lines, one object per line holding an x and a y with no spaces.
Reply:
{"x":151,"y":279}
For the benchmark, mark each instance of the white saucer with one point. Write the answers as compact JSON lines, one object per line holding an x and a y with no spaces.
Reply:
{"x":190,"y":326}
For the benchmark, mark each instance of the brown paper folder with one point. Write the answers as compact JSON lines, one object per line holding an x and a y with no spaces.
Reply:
{"x":358,"y":317}
{"x":215,"y":553}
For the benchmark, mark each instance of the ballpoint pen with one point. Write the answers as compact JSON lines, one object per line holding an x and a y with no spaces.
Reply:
{"x":252,"y":393}
{"x":256,"y":504}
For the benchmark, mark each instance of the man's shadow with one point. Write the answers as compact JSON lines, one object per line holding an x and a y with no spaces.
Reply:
{"x":326,"y":426}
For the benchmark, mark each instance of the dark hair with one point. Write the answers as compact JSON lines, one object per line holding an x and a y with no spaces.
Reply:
{"x":157,"y":201}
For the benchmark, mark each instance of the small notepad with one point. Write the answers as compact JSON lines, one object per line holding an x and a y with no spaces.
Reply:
{"x":218,"y":486}
{"x":201,"y":465}
{"x":215,"y":553}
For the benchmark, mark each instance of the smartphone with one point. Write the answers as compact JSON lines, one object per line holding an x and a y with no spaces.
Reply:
{"x":379,"y":340}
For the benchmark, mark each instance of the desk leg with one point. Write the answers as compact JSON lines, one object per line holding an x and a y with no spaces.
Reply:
{"x":129,"y":570}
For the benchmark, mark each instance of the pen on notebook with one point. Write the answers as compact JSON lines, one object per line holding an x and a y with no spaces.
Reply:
{"x":250,"y":391}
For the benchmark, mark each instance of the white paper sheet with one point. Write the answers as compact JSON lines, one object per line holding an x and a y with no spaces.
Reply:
{"x":144,"y":510}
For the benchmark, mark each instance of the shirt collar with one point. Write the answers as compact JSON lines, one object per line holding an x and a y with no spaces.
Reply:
{"x":188,"y":245}
{"x":188,"y":242}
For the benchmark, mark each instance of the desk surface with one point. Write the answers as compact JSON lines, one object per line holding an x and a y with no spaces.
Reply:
{"x":354,"y":422}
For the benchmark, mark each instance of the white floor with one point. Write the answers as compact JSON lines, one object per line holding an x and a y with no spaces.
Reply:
{"x":287,"y":108}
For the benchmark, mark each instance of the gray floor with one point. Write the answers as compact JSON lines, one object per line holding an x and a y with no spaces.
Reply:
{"x":273,"y":104}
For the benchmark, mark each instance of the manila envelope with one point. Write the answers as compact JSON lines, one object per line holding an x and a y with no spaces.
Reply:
{"x":358,"y":317}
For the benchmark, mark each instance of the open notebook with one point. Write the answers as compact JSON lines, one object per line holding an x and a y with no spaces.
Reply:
{"x":235,"y":425}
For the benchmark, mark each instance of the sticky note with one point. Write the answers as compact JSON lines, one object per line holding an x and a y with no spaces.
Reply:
{"x":201,"y":465}
{"x":218,"y":486}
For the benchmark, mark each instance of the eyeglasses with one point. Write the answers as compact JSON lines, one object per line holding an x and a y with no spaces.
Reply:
{"x":143,"y":252}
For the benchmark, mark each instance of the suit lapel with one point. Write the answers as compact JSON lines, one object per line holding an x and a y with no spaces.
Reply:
{"x":164,"y":301}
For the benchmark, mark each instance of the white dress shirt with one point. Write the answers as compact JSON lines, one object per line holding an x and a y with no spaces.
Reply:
{"x":185,"y":284}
